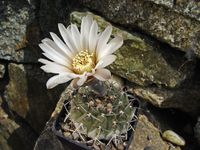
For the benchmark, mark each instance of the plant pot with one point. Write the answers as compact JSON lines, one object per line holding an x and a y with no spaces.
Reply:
{"x":70,"y":144}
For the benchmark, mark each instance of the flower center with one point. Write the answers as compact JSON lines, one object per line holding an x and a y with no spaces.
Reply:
{"x":83,"y":62}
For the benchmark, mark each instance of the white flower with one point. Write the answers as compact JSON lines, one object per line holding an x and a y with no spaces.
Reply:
{"x":84,"y":54}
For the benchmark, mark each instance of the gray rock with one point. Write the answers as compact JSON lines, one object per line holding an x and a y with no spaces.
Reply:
{"x":15,"y":134}
{"x":185,"y":98}
{"x":2,"y":70}
{"x":141,"y":60}
{"x":14,"y":20}
{"x":186,"y":7}
{"x":159,"y":21}
{"x":189,"y":8}
{"x":26,"y":94}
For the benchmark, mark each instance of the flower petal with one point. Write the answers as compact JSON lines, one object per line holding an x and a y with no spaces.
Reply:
{"x":76,"y":37}
{"x":93,"y":37}
{"x":85,"y":29}
{"x":60,"y":43}
{"x":52,"y":56}
{"x":102,"y":74}
{"x":103,"y":39}
{"x":67,"y":37}
{"x":48,"y":49}
{"x":47,"y":62}
{"x":53,"y":67}
{"x":111,"y":47}
{"x":57,"y":79}
{"x":82,"y":80}
{"x":105,"y":61}
{"x":73,"y":83}
{"x":63,"y":52}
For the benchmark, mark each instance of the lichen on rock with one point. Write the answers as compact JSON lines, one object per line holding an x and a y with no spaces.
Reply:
{"x":14,"y":21}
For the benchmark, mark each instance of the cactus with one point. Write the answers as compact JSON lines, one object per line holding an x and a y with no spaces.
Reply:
{"x":104,"y":117}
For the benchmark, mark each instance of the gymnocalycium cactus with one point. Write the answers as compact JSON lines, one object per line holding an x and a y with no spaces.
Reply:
{"x":99,"y":117}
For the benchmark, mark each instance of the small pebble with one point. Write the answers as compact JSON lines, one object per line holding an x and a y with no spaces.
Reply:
{"x":98,"y":101}
{"x":113,"y":147}
{"x":65,"y":127}
{"x":67,"y":134}
{"x":120,"y":147}
{"x":173,"y":137}
{"x":75,"y":136}
{"x":96,"y":147}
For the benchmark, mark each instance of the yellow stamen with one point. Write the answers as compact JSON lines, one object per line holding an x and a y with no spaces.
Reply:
{"x":83,"y":62}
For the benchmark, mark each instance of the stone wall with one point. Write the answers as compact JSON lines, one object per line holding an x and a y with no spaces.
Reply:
{"x":159,"y":60}
{"x":26,"y":104}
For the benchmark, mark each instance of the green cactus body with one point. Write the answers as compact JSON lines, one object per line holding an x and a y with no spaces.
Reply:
{"x":101,"y":117}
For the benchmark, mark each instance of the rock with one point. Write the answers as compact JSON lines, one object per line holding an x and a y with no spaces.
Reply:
{"x":186,"y":7}
{"x":13,"y":133}
{"x":16,"y":94}
{"x":147,"y":137}
{"x":14,"y":21}
{"x":141,"y":61}
{"x":26,"y":94}
{"x":189,"y":8}
{"x":3,"y":115}
{"x":185,"y":98}
{"x":177,"y":26}
{"x":173,"y":137}
{"x":2,"y":70}
{"x":68,"y":134}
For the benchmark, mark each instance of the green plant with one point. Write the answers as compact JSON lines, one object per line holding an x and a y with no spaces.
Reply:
{"x":99,"y":117}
